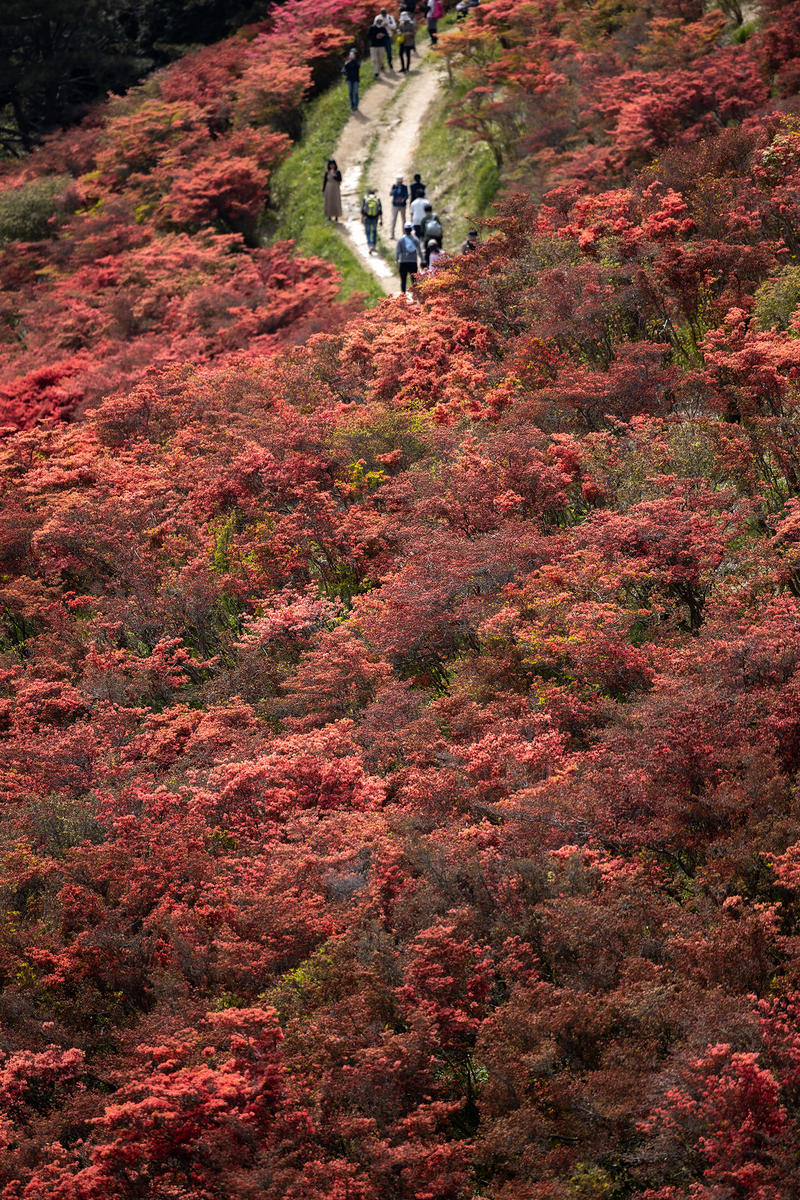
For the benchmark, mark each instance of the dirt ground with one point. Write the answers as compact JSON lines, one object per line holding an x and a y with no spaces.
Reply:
{"x":384,"y":135}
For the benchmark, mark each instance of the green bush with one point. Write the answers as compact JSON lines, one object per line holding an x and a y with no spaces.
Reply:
{"x":25,"y":211}
{"x":778,"y":299}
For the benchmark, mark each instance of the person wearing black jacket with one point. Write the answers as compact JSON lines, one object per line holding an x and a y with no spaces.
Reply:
{"x":378,"y":38}
{"x":418,"y":188}
{"x":352,"y":71}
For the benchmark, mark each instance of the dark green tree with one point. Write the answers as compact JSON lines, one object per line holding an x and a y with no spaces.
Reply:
{"x":167,"y":28}
{"x":56,"y":56}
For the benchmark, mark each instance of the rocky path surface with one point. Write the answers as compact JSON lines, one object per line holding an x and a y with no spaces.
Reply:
{"x":384,"y":135}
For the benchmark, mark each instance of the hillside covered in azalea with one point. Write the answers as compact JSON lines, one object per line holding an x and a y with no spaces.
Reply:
{"x":400,"y":707}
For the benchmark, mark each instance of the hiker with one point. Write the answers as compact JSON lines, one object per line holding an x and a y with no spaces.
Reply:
{"x":436,"y":255}
{"x":351,"y":71}
{"x":388,"y":20}
{"x":399,"y":198}
{"x":405,"y":255}
{"x":376,"y":36}
{"x":390,"y":25}
{"x":431,"y":226}
{"x":471,"y":242}
{"x":417,"y":212}
{"x":417,"y":189}
{"x":407,"y":35}
{"x":372,"y":213}
{"x":435,"y":11}
{"x":330,"y":191}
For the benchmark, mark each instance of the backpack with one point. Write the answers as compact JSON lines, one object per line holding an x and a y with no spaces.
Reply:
{"x":371,"y":205}
{"x":433,"y":229}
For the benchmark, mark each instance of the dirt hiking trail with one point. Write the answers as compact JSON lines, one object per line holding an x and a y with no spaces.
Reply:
{"x":385,"y":132}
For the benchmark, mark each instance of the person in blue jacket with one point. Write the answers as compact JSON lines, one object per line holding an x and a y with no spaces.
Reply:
{"x":399,"y":201}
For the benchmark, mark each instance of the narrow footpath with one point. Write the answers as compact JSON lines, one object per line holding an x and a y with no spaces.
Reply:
{"x":383,"y":135}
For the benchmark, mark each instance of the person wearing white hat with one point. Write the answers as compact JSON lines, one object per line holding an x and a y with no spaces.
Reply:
{"x":377,"y":38}
{"x":406,"y":254}
{"x":399,"y":201}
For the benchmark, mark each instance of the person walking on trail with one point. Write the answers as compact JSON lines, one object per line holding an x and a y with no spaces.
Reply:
{"x":417,"y":212}
{"x":470,"y":243}
{"x":390,"y":25}
{"x":406,"y":255}
{"x":436,"y":255}
{"x":330,"y":191}
{"x":388,"y":20}
{"x":408,"y":41}
{"x":417,"y":189}
{"x":399,"y":200}
{"x":431,"y":225}
{"x":371,"y":213}
{"x":376,"y":35}
{"x":351,"y":71}
{"x":435,"y":11}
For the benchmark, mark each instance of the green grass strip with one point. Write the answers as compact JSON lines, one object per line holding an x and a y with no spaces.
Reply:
{"x":297,"y":191}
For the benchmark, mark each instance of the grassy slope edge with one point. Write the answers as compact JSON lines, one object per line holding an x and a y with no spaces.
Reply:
{"x":296,"y":192}
{"x":462,"y":175}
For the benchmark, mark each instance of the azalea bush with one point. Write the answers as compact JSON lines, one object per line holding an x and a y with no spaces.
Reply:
{"x":399,"y":708}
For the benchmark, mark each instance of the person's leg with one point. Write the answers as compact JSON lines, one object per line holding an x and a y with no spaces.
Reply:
{"x":412,"y":274}
{"x":374,"y":54}
{"x":381,"y":57}
{"x":388,"y":49}
{"x":395,"y":214}
{"x":405,"y":58}
{"x":372,"y":231}
{"x":404,"y":268}
{"x":352,"y":87}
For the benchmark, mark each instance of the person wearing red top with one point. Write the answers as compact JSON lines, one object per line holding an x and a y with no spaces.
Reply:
{"x":435,"y":11}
